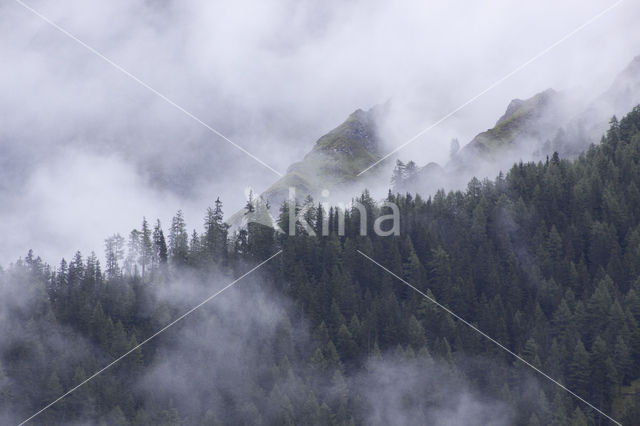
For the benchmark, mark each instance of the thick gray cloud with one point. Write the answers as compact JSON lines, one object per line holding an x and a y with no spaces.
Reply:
{"x":273,"y":76}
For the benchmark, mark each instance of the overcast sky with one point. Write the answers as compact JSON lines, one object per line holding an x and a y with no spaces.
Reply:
{"x":86,"y":151}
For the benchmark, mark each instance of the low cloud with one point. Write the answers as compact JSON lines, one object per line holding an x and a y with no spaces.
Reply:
{"x":272,"y":76}
{"x":423,"y":391}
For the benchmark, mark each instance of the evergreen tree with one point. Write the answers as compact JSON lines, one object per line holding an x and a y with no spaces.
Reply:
{"x":114,"y":253}
{"x":160,"y":250}
{"x":146,"y":246}
{"x":178,"y":240}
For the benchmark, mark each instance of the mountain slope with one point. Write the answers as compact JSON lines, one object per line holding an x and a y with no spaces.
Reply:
{"x":521,"y":131}
{"x":589,"y":126}
{"x":524,"y":126}
{"x":335,"y":159}
{"x":333,"y":163}
{"x":532,"y":129}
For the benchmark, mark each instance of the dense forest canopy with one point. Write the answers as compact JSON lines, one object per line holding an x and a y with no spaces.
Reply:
{"x":545,"y":259}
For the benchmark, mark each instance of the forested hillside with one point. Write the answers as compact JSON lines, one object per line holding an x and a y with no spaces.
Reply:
{"x":545,"y":259}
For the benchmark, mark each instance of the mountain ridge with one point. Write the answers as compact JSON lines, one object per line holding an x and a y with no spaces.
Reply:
{"x":529,"y":129}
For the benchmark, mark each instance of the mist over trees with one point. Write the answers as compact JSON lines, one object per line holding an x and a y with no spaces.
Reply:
{"x":545,"y":259}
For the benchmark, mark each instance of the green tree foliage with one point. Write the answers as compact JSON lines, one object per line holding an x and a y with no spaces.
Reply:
{"x":544,"y":259}
{"x":178,"y":240}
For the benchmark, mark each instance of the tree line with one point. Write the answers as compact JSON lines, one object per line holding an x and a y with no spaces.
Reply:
{"x":545,"y":259}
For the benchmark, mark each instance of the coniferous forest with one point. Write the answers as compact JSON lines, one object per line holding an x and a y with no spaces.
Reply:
{"x":545,"y":259}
